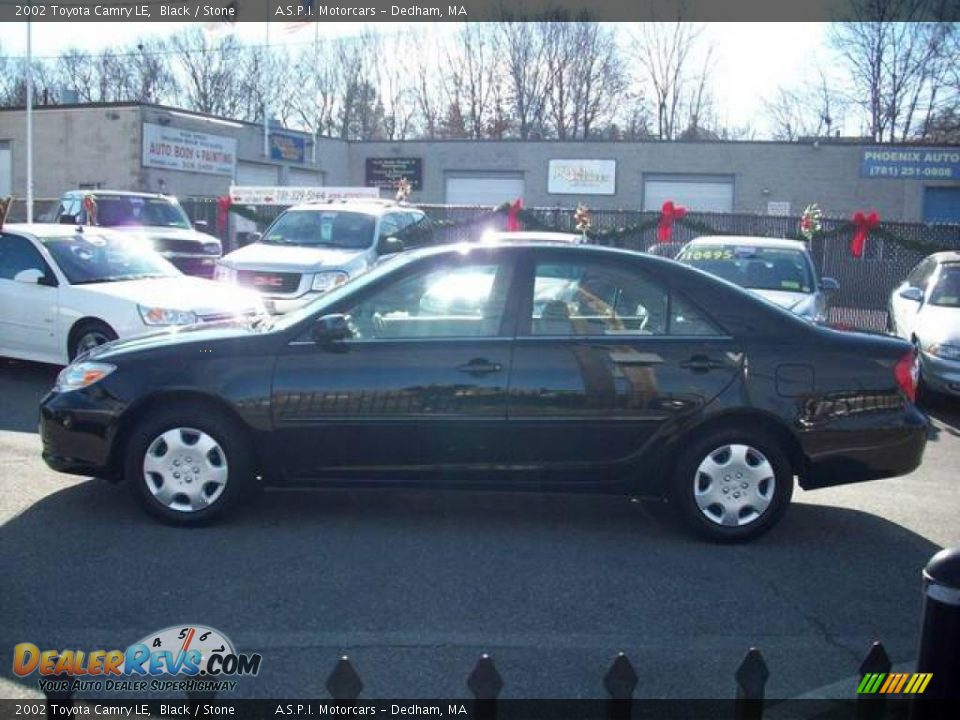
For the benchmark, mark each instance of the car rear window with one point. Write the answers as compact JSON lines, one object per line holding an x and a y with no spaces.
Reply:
{"x":755,"y":268}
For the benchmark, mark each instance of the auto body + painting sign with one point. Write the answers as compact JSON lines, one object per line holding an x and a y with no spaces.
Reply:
{"x":173,"y":148}
{"x":925,"y":163}
{"x":582,"y":177}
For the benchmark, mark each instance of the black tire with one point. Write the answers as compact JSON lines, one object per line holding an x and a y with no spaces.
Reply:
{"x":232,"y":449}
{"x":683,"y":498}
{"x":87,"y":329}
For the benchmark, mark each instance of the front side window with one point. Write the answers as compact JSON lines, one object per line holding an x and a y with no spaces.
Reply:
{"x":18,"y":254}
{"x":90,"y":258}
{"x":322,"y":228}
{"x":920,"y":275}
{"x":456,"y":301}
{"x":752,"y":267}
{"x":135,"y":211}
{"x":946,"y":291}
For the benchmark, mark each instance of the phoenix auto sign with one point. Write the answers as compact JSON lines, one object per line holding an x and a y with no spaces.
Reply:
{"x":911,"y":162}
{"x":178,"y":149}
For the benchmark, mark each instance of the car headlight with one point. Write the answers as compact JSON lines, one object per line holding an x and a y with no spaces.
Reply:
{"x":328,"y":280}
{"x":223,"y":273}
{"x":942,"y":350}
{"x":81,"y":375}
{"x":166,"y":316}
{"x":211,"y":248}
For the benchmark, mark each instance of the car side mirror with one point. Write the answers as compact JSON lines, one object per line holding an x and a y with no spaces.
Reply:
{"x":67,"y":219}
{"x":828,"y":284}
{"x":201,"y":225}
{"x":330,"y":330}
{"x":912,"y":293}
{"x":30,"y":276}
{"x":389,"y":246}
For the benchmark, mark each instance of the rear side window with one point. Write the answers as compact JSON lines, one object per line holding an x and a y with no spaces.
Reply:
{"x":18,"y":254}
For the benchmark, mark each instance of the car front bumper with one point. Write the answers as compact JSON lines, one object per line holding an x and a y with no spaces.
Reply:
{"x":939,"y":374}
{"x":77,"y":431}
{"x":278,"y":305}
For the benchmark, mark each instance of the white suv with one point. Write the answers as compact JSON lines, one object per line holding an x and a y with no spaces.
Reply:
{"x":312,"y":248}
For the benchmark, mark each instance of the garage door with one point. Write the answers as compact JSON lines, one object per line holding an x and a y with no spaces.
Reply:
{"x":694,"y":192}
{"x":484,"y":189}
{"x":304,"y":178}
{"x":940,"y":204}
{"x":6,"y":169}
{"x":254,"y":174}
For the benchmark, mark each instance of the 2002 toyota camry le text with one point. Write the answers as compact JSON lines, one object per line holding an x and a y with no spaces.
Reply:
{"x":520,"y":365}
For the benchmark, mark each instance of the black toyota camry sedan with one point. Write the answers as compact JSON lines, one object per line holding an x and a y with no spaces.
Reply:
{"x":531,"y":365}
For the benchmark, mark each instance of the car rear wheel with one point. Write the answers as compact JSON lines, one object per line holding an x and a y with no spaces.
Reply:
{"x":188,"y":465}
{"x":732,"y":485}
{"x":88,"y":335}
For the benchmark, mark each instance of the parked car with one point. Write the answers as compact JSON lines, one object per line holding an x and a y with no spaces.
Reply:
{"x":157,"y":218}
{"x":925,"y":309}
{"x":780,"y":271}
{"x":631,"y":380}
{"x":65,"y":290}
{"x":313,"y":248}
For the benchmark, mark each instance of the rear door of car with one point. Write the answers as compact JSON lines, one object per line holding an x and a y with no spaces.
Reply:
{"x":606,"y":357}
{"x":28,"y":311}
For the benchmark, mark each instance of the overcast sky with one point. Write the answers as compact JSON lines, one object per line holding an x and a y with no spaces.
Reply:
{"x":752,"y":59}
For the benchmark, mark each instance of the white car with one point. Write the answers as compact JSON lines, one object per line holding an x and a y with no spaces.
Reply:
{"x":64,"y":290}
{"x":777,"y":270}
{"x":925,"y":309}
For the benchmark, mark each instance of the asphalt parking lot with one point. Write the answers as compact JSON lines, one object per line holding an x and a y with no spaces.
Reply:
{"x":414,"y":585}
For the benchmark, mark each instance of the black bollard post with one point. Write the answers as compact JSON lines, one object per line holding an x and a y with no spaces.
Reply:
{"x":940,"y":633}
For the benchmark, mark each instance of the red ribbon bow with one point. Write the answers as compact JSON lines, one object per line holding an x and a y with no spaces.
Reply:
{"x":862,"y":225}
{"x":513,"y":215}
{"x":223,"y":207}
{"x":668,"y":213}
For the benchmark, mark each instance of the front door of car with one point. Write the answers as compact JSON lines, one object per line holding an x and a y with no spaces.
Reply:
{"x":904,"y":309}
{"x":28,"y":310}
{"x":605,"y":358}
{"x":420,"y":383}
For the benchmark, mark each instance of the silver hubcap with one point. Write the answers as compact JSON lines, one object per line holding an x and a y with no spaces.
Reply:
{"x":90,"y":340}
{"x":185,"y":469}
{"x":734,"y":485}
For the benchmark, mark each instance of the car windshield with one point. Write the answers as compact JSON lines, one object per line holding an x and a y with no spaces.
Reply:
{"x":135,"y":211}
{"x":322,"y":228}
{"x":946,"y":293}
{"x":88,"y":258}
{"x":752,"y":267}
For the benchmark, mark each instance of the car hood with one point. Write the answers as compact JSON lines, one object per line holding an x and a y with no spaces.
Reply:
{"x":180,"y":292}
{"x":784,"y":298}
{"x":296,"y":258}
{"x":207,"y":335}
{"x":939,"y":324}
{"x":167,"y":233}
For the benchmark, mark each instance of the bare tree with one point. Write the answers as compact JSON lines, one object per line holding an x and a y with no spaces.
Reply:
{"x":520,"y":46}
{"x":207,"y":72}
{"x":665,"y":53}
{"x":899,"y":71}
{"x":810,"y":111}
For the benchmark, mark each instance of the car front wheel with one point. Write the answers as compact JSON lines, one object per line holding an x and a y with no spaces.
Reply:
{"x":732,"y":485}
{"x":187,"y":466}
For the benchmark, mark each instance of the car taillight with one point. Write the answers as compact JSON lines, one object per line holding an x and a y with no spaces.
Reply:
{"x":907,"y":373}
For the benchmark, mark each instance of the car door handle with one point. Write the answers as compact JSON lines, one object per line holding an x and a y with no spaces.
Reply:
{"x":479,"y":366}
{"x":702,"y":363}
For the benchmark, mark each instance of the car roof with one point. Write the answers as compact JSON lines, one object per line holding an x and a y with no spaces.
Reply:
{"x":370,"y":206}
{"x":751,"y":241}
{"x":947,"y":256}
{"x":54,"y":231}
{"x":515,"y":236}
{"x":119,"y":193}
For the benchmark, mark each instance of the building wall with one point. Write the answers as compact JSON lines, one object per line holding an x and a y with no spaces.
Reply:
{"x":800,"y":174}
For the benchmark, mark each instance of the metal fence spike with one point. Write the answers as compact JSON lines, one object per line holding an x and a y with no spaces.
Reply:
{"x":484,"y":681}
{"x":621,"y":679}
{"x":876,"y":661}
{"x":344,"y":683}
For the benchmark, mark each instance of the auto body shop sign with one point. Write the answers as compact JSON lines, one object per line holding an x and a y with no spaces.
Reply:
{"x":189,"y":151}
{"x":906,"y":162}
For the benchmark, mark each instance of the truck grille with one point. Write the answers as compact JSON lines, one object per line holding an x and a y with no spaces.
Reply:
{"x":269,"y":282}
{"x":177,"y":245}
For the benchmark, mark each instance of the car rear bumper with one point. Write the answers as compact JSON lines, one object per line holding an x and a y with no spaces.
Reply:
{"x":868,"y":447}
{"x":939,"y":374}
{"x":76,"y":434}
